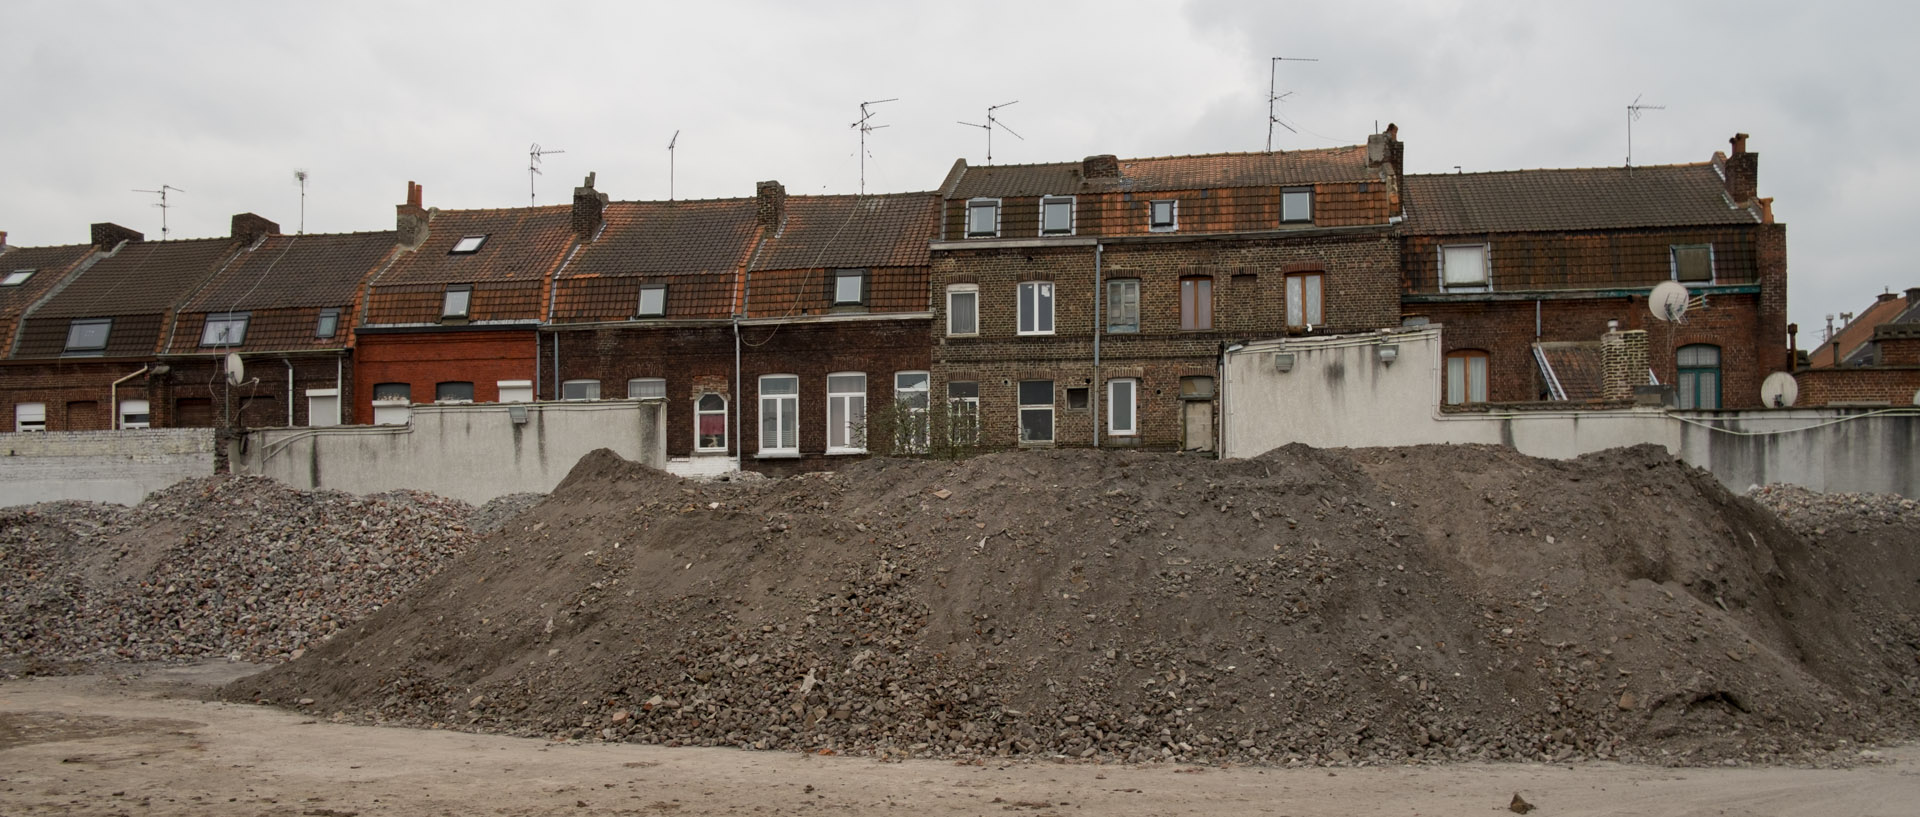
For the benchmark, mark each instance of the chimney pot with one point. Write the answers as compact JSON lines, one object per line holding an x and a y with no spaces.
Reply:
{"x":410,"y":219}
{"x":414,"y":195}
{"x":1739,"y":142}
{"x":3,"y":238}
{"x":1104,"y":166}
{"x":1743,"y":174}
{"x":1886,"y":296}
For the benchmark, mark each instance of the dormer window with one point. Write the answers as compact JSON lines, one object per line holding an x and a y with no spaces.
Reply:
{"x":224,"y":330}
{"x":849,"y":287}
{"x":653,"y":301}
{"x":1693,"y":263}
{"x":1163,"y":215}
{"x":16,"y":278}
{"x":328,"y":325}
{"x":1056,"y":215}
{"x":459,"y":299}
{"x":468,"y":245}
{"x":87,"y":337}
{"x":1296,"y":204}
{"x":983,"y":218}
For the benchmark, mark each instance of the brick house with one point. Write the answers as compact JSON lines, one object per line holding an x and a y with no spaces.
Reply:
{"x":85,"y":354}
{"x":286,"y":305}
{"x":1087,"y":303}
{"x":1874,"y":360}
{"x":1526,"y":268}
{"x":769,"y":325}
{"x":454,"y":317}
{"x":28,"y":274}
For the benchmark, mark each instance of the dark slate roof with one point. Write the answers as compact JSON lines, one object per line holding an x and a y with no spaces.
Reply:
{"x":853,"y":231}
{"x":50,"y":265}
{"x":295,"y":271}
{"x":648,"y":238}
{"x":143,"y":278}
{"x":523,"y":244}
{"x":1576,"y":199}
{"x":1212,"y":171}
{"x":1577,"y":366}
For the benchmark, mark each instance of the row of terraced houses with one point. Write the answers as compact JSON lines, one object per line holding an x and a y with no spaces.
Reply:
{"x":1064,"y":304}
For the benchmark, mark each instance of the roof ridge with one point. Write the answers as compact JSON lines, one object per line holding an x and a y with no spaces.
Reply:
{"x":333,"y":235}
{"x":1235,"y":153}
{"x":682,"y":201}
{"x":553,"y":207}
{"x":1511,"y":171}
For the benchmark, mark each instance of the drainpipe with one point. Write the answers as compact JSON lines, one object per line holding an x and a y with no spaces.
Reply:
{"x":289,"y":362}
{"x":1093,"y":392}
{"x":113,"y":397}
{"x":739,"y":439}
{"x":340,"y":392}
{"x":556,"y":365}
{"x":536,"y":361}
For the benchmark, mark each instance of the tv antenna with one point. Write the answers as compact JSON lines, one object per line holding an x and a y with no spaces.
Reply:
{"x":163,"y":205}
{"x":866,"y":126}
{"x":671,"y":143}
{"x":1274,"y":97}
{"x":533,"y":167}
{"x":991,"y":124}
{"x":301,"y":177}
{"x":1633,"y":113}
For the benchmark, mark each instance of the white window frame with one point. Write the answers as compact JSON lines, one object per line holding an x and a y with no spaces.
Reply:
{"x":29,"y":417}
{"x":659,"y":309}
{"x":1025,"y":408}
{"x":447,"y":300}
{"x":1173,"y":216}
{"x":1072,"y":214}
{"x":847,"y":432}
{"x":134,"y":407}
{"x":700,"y":414}
{"x":1123,"y":284}
{"x":963,"y":415}
{"x":637,"y":384}
{"x":784,"y":407}
{"x":1306,"y":309}
{"x":1673,"y":264}
{"x":1032,"y":293}
{"x":392,"y":411}
{"x":841,"y":277}
{"x":584,"y":388}
{"x":1286,"y":194}
{"x":323,"y":407}
{"x":972,"y":292}
{"x":1483,"y":284}
{"x":225,"y":329}
{"x":913,"y":402}
{"x":515,"y":391}
{"x":1115,"y":428}
{"x":972,"y":227}
{"x":16,"y":278}
{"x":468,"y":245}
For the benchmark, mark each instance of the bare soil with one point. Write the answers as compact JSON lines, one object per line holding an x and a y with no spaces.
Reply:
{"x":141,"y":744}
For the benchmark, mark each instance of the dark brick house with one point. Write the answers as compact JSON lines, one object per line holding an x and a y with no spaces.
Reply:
{"x":28,"y":274}
{"x":1526,"y":269}
{"x":769,"y":325}
{"x":1087,"y":303}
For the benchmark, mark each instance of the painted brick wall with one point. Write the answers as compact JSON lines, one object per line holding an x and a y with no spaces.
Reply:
{"x":425,"y":359}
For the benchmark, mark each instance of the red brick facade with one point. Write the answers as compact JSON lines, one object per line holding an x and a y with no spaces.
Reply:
{"x":423,"y":360}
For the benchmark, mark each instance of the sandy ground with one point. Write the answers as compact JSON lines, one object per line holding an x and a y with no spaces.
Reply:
{"x":146,"y":745}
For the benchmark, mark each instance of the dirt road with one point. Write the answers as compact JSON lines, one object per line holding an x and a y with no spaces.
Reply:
{"x":145,"y":745}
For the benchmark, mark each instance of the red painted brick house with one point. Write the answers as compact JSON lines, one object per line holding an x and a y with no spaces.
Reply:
{"x":454,"y":316}
{"x":287,"y":305}
{"x":769,"y":325}
{"x":1087,"y":303}
{"x":1516,"y":263}
{"x":1873,"y":361}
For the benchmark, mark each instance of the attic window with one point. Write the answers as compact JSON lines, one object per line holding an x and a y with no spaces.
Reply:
{"x":849,"y":287}
{"x":1163,"y":215}
{"x":224,"y":330}
{"x":469,"y":244}
{"x":1056,"y":215}
{"x":1693,"y":263}
{"x":88,"y":336}
{"x":329,"y":324}
{"x":1296,"y":204}
{"x":653,"y":301}
{"x":16,"y":278}
{"x":983,"y":218}
{"x":459,"y":297}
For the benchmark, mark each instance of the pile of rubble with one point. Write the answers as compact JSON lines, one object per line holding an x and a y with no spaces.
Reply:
{"x":1333,"y":607}
{"x":234,"y":567}
{"x":1813,"y":513}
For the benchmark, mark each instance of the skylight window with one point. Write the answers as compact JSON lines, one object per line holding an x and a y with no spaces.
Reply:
{"x":329,"y":323}
{"x":653,"y":301}
{"x":458,"y":299}
{"x":1163,"y":216}
{"x":88,"y":336}
{"x":224,"y":330}
{"x":470,"y":244}
{"x":16,"y":278}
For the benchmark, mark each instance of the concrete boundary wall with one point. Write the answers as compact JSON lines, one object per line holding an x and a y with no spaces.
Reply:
{"x":100,"y":466}
{"x":470,"y":452}
{"x":1342,"y":392}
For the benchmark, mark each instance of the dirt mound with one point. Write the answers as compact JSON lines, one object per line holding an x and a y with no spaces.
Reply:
{"x":238,"y":567}
{"x":1389,"y":605}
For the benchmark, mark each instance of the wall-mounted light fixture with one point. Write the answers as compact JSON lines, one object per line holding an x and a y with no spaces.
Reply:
{"x":1388,"y":353}
{"x":518,"y":413}
{"x":1283,"y":361}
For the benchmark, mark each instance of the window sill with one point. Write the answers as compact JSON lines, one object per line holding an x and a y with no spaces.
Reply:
{"x":1033,"y":334}
{"x":777,"y":455}
{"x":1163,"y":229}
{"x":844,"y":452}
{"x":710,"y":452}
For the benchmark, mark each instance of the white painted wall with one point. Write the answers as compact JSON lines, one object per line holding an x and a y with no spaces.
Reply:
{"x":100,"y":466}
{"x":470,"y":451}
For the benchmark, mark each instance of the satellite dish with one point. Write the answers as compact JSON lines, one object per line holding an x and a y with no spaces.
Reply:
{"x":236,"y":371}
{"x":1668,"y":301}
{"x":1779,"y":390}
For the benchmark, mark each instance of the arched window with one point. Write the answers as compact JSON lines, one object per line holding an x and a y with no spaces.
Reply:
{"x":710,"y":423}
{"x":1698,"y":382}
{"x":1466,"y":377}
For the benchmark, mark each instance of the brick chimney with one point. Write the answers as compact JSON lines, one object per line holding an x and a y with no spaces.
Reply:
{"x":1743,"y":171}
{"x":248,"y":228}
{"x":588,"y":205}
{"x":1623,"y":363}
{"x":3,"y":238}
{"x":410,"y":219}
{"x":1913,"y":293}
{"x":1386,"y":155}
{"x":107,"y":235}
{"x":771,"y":205}
{"x":1104,"y":166}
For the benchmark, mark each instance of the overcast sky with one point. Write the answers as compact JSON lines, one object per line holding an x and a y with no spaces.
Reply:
{"x":226,"y":100}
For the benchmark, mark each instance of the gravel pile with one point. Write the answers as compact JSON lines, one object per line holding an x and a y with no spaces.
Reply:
{"x":1814,"y":514}
{"x":235,"y":567}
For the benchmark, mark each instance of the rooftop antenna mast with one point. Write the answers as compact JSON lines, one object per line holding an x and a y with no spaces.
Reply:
{"x":1633,"y":113}
{"x":1274,"y":96}
{"x":533,"y":167}
{"x":991,"y":124}
{"x":671,"y":144}
{"x":163,"y":205}
{"x":866,"y":126}
{"x":301,"y":177}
